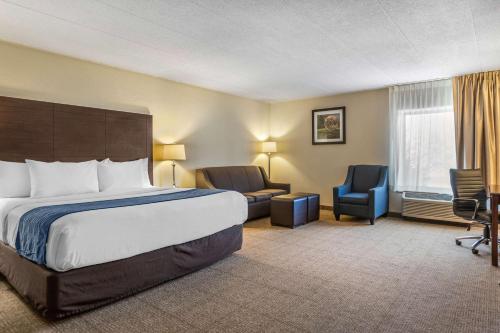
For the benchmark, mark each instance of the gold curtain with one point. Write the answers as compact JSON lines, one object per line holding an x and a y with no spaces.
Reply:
{"x":476,"y":101}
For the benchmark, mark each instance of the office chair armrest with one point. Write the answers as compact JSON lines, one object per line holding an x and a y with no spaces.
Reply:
{"x":463,"y":206}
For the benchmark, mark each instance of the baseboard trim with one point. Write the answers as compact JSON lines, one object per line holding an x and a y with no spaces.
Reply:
{"x":420,"y":220}
{"x":325,"y":207}
{"x":417,"y":219}
{"x":328,"y":207}
{"x":412,"y":219}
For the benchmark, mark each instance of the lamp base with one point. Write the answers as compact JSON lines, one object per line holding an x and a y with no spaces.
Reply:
{"x":173,"y":174}
{"x":269,"y":164}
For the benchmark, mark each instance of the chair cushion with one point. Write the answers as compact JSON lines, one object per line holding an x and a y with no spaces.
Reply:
{"x":273,"y":191}
{"x":250,"y":198}
{"x":259,"y":195}
{"x":365,"y":177}
{"x":354,"y":198}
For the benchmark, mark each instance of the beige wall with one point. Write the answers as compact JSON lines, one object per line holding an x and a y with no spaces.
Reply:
{"x":218,"y":129}
{"x":317,"y":168}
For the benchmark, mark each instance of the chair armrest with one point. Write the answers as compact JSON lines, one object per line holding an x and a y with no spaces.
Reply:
{"x":279,"y":186}
{"x":378,"y":200}
{"x":339,"y":191}
{"x":377,"y":190}
{"x":466,"y":208}
{"x":343,"y":189}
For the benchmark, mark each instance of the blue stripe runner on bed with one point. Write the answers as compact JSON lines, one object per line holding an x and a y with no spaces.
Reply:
{"x":34,"y":225}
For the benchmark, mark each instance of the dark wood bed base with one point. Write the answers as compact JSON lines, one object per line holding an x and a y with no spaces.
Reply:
{"x":58,"y":132}
{"x":56,"y":295}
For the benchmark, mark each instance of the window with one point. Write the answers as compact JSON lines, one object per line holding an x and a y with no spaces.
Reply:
{"x":422,"y":136}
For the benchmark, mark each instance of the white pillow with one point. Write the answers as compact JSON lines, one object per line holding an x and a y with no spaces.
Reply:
{"x":145,"y":171}
{"x":62,"y":178}
{"x":123,"y":175}
{"x":14,"y":180}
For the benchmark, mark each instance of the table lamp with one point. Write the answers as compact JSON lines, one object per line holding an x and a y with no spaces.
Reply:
{"x":175,"y":152}
{"x":269,"y":147}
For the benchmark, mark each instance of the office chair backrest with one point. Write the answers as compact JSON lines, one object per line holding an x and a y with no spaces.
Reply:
{"x":468,"y":184}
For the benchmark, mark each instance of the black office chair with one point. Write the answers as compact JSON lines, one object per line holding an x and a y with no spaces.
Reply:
{"x":470,"y":202}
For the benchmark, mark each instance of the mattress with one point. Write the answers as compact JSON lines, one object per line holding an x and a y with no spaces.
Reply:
{"x":100,"y":236}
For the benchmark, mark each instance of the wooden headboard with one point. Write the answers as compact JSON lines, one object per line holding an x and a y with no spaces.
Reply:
{"x":58,"y":132}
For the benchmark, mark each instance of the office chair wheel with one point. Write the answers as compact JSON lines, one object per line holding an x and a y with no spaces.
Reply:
{"x":474,"y":251}
{"x":458,"y":242}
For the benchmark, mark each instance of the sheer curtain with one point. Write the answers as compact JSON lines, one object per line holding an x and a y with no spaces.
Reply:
{"x":422,"y":136}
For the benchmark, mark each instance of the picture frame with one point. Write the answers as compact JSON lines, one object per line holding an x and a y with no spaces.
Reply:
{"x":329,"y":126}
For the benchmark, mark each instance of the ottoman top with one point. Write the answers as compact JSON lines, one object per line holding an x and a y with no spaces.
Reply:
{"x":290,"y":197}
{"x":306,"y":194}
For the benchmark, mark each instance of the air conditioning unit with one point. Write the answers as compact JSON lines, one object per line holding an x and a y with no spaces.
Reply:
{"x":429,"y":206}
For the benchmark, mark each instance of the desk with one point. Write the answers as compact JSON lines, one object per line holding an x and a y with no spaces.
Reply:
{"x":495,"y":200}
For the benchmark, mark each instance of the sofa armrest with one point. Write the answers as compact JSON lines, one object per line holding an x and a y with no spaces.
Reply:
{"x":202,"y":180}
{"x":269,"y":184}
{"x":279,"y":186}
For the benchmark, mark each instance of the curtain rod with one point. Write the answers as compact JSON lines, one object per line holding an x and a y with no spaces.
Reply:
{"x":441,"y":79}
{"x":422,"y":81}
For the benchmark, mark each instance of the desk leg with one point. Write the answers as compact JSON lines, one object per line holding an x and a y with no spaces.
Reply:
{"x":494,"y":230}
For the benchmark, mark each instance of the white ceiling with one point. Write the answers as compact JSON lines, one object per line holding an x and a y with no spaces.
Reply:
{"x":270,"y":50}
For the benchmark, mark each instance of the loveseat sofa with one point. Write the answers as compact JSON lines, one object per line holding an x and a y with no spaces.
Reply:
{"x":251,"y":181}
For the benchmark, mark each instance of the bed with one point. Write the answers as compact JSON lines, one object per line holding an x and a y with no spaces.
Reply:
{"x":95,"y":257}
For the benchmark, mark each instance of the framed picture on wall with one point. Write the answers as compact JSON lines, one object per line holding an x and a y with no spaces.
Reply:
{"x":328,"y":126}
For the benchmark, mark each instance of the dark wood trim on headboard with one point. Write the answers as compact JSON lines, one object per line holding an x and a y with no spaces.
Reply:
{"x":59,"y":132}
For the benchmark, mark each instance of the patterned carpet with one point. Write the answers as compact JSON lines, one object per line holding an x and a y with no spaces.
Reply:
{"x":396,"y":276}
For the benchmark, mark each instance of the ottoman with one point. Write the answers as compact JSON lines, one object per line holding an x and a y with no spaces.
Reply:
{"x":288,"y":210}
{"x":312,"y":205}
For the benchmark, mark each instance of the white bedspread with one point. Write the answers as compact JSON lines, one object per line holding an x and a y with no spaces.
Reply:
{"x":99,"y":236}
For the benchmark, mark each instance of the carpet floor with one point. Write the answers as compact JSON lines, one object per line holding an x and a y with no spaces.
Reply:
{"x":327,"y":276}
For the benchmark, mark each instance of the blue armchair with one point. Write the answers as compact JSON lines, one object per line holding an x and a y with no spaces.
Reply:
{"x":365,"y":193}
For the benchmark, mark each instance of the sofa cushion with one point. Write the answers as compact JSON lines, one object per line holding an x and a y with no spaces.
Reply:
{"x":250,"y":198}
{"x":259,"y":195}
{"x":365,"y":177}
{"x":255,"y":180}
{"x":219,"y":177}
{"x":274,"y":191}
{"x":354,"y":198}
{"x":239,"y":179}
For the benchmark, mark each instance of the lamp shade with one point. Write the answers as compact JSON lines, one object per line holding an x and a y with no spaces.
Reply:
{"x":269,"y":147}
{"x":174,"y":153}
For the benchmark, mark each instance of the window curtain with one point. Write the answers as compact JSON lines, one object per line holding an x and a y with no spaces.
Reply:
{"x":422,"y":136}
{"x":476,"y":99}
